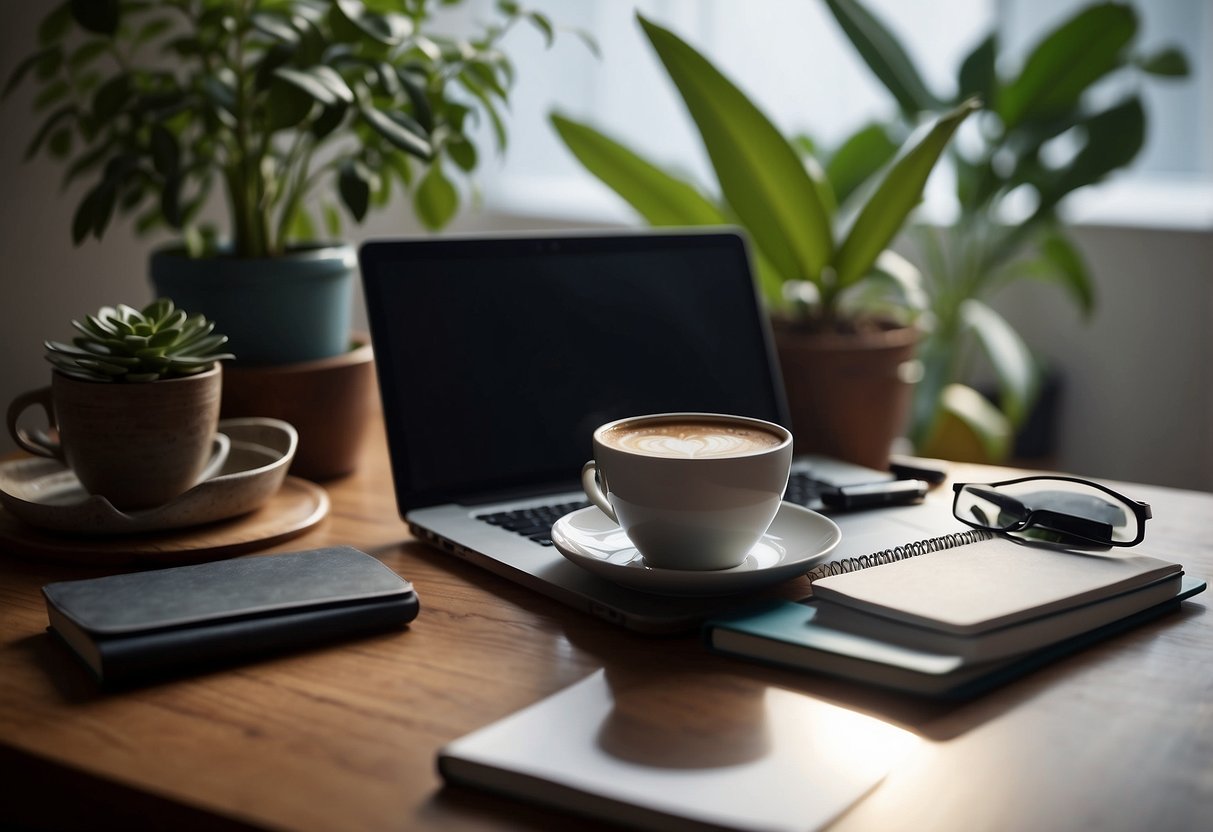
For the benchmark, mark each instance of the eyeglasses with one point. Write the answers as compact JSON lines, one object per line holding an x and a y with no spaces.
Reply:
{"x":1061,"y":509}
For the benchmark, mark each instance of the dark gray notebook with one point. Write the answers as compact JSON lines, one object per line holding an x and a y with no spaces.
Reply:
{"x":146,"y":624}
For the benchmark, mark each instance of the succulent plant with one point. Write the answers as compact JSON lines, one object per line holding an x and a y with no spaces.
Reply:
{"x":124,"y":344}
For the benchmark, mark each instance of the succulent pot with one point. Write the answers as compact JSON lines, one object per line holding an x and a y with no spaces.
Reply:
{"x":849,"y":394}
{"x":329,"y":402}
{"x":278,"y":310}
{"x":137,"y":444}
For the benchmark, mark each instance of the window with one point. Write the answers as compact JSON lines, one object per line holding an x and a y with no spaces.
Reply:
{"x":790,"y":56}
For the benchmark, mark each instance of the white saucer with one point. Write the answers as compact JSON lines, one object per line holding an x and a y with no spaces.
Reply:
{"x":44,"y":493}
{"x":797,"y":540}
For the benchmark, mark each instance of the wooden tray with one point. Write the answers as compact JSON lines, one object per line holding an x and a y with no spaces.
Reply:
{"x":298,"y":506}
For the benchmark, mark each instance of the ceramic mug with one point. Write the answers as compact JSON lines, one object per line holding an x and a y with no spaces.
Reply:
{"x":139,"y":445}
{"x":690,"y":490}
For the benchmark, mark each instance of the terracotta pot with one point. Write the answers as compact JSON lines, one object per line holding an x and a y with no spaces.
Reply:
{"x":849,"y":394}
{"x":138,"y":444}
{"x":329,"y":402}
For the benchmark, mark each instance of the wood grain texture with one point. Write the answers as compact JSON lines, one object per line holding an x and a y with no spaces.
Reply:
{"x":297,"y":506}
{"x":344,"y":737}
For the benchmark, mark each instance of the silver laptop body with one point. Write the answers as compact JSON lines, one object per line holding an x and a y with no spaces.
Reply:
{"x":497,"y":358}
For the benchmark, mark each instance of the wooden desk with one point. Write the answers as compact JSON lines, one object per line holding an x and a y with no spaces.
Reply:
{"x":1117,"y":737}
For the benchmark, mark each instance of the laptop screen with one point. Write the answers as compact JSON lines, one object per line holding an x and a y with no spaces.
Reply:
{"x":497,"y":358}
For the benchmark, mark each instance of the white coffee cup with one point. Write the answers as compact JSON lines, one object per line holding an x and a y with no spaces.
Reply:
{"x":690,"y":490}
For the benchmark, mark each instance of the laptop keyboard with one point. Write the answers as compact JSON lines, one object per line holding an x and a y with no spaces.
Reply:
{"x":536,"y":522}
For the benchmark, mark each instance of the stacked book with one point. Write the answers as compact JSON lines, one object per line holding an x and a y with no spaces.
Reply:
{"x":955,"y":615}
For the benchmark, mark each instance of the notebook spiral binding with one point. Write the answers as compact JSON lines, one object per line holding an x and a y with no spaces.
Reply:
{"x":909,"y":550}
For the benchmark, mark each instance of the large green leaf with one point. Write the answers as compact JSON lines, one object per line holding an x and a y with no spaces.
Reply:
{"x":1009,"y":356}
{"x":974,"y":413}
{"x":660,"y":198}
{"x":1167,"y":63}
{"x":977,"y":75}
{"x":1067,"y":62}
{"x":760,"y":175}
{"x":885,"y":56}
{"x":883,"y":215}
{"x":858,"y":159}
{"x":1114,"y":137}
{"x":436,"y":200}
{"x":1060,"y":263}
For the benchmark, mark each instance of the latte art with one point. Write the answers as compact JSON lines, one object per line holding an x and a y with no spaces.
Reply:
{"x":691,"y":440}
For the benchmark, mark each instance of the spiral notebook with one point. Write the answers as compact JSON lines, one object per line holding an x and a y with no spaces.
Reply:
{"x":951,"y":614}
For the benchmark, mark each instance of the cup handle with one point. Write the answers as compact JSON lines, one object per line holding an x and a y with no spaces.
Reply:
{"x":38,"y":442}
{"x":593,"y":489}
{"x":221,"y":449}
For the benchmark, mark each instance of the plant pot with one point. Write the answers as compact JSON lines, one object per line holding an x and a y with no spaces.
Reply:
{"x":138,"y":444}
{"x":849,"y":394}
{"x":279,"y":310}
{"x":329,"y":402}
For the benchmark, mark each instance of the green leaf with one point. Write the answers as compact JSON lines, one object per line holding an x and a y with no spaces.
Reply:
{"x":355,"y":190}
{"x":55,"y":25}
{"x":1114,"y":138}
{"x":885,"y":56}
{"x":400,"y":130}
{"x":414,"y":88}
{"x":660,"y":198}
{"x":1167,"y":63}
{"x":760,"y":174}
{"x":884,"y":213}
{"x":978,"y":76}
{"x":462,"y":153}
{"x":858,"y":159}
{"x":1009,"y":356}
{"x":436,"y":199}
{"x":22,"y":69}
{"x":287,"y":105}
{"x":329,"y":119}
{"x":388,"y":30}
{"x":166,"y":154}
{"x":52,"y":121}
{"x":310,"y":84}
{"x":100,"y":16}
{"x":544,"y":25}
{"x":332,"y":220}
{"x":93,"y":214}
{"x":982,"y":419}
{"x":1067,"y":62}
{"x":301,"y":226}
{"x":110,"y":97}
{"x":1060,"y":263}
{"x":276,"y":26}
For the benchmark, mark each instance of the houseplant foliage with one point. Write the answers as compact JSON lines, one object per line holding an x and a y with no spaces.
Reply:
{"x":814,"y":256}
{"x":154,"y":103}
{"x":1042,"y":136}
{"x":843,"y":303}
{"x":124,"y":344}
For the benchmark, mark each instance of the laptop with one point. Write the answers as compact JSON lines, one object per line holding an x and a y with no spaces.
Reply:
{"x":498,"y":357}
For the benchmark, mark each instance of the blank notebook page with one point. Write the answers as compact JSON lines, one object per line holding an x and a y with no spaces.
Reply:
{"x":991,"y":583}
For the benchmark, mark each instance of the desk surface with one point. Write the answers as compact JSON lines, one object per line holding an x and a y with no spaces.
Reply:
{"x":1117,"y":737}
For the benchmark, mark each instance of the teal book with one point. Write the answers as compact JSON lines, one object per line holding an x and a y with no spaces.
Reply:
{"x":796,"y":634}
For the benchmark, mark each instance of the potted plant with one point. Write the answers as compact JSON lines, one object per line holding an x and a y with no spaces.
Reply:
{"x":134,"y":400}
{"x":299,"y":111}
{"x":1043,"y":133}
{"x":838,"y":297}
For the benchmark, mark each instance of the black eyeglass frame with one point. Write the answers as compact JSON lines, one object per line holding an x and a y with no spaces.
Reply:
{"x":1141,"y":511}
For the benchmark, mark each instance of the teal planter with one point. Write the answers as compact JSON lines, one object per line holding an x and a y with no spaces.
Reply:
{"x":279,"y":310}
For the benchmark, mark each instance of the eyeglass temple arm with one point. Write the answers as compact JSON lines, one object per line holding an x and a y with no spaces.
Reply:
{"x":1070,"y":524}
